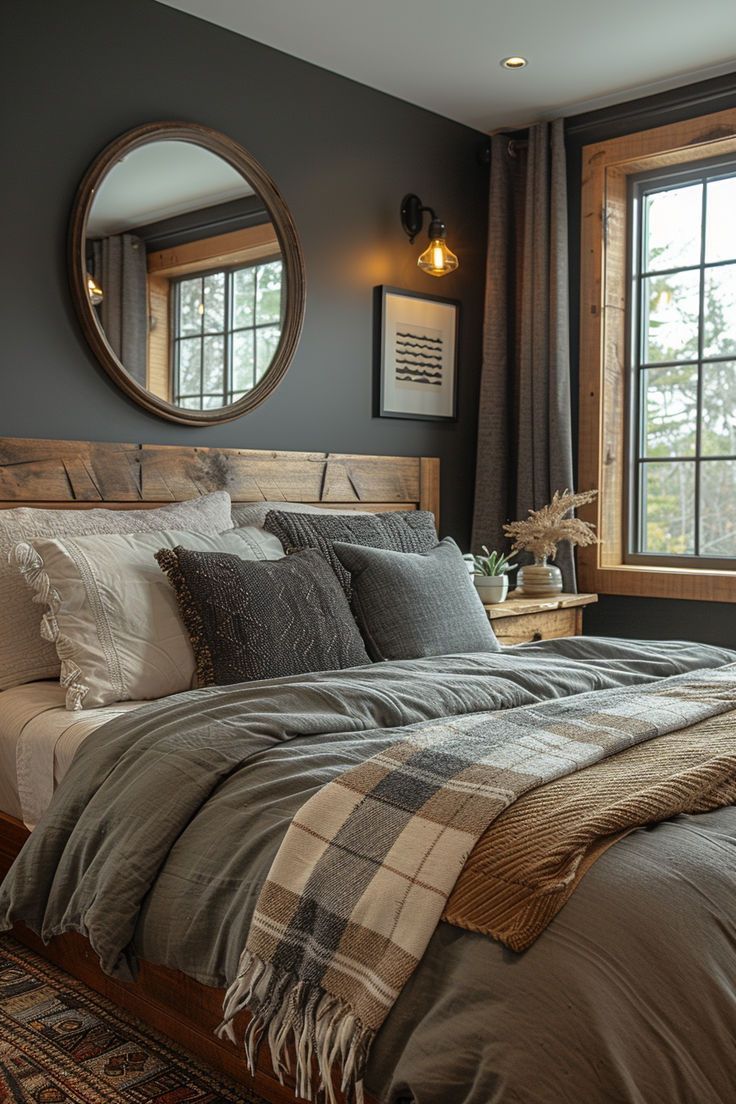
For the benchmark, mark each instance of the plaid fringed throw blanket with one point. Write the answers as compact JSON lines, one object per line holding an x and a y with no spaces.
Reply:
{"x":531,"y":860}
{"x":367,"y":866}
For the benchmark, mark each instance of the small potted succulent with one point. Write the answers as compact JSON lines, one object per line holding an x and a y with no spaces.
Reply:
{"x":490,"y":575}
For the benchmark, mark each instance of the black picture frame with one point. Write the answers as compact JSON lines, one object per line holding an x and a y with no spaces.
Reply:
{"x":383,"y":405}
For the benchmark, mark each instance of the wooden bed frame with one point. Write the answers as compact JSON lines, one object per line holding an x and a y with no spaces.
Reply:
{"x":84,"y":474}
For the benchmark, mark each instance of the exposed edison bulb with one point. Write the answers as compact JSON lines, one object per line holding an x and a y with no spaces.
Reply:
{"x":437,"y":259}
{"x":94,"y":290}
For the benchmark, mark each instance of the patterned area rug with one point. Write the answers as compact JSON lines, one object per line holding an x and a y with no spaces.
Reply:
{"x":61,"y":1043}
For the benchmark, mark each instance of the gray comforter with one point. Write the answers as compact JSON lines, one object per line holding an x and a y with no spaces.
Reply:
{"x":158,"y":840}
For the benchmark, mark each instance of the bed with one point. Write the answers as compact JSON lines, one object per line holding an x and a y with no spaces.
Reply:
{"x":85,"y":474}
{"x":630,"y":992}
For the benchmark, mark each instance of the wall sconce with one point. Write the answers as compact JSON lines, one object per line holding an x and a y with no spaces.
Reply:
{"x":94,"y":290}
{"x":437,"y":259}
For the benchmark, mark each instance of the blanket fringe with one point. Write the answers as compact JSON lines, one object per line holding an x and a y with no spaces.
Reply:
{"x":320,"y":1028}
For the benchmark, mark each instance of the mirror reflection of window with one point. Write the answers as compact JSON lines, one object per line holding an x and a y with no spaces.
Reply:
{"x":226,"y":328}
{"x":188,"y":266}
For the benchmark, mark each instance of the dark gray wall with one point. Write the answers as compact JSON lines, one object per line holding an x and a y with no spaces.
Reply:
{"x":76,"y":74}
{"x":650,"y":618}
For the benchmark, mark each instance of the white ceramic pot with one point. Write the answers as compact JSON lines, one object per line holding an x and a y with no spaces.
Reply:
{"x":539,"y":580}
{"x":491,"y":588}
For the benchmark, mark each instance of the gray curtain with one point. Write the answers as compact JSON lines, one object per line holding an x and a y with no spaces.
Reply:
{"x":524,"y":435}
{"x":119,"y":267}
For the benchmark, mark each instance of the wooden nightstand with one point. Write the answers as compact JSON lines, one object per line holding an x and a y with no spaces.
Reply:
{"x":518,"y":620}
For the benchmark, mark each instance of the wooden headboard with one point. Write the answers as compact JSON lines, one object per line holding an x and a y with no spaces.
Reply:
{"x":79,"y":474}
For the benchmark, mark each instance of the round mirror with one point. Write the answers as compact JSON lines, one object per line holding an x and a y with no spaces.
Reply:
{"x":186,"y":272}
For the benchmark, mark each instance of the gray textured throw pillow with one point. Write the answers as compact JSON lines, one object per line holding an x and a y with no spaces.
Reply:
{"x":401,"y":531}
{"x":249,"y":620}
{"x":410,"y":605}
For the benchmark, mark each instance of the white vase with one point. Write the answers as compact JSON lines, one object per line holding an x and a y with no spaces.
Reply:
{"x":539,"y":580}
{"x":492,"y":588}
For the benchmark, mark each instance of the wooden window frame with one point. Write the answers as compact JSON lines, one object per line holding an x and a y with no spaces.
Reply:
{"x":604,"y":276}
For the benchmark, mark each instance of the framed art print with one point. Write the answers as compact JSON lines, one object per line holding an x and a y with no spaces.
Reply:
{"x":416,"y":355}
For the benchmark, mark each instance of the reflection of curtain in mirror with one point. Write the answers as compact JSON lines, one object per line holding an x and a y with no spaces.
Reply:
{"x":120,"y":270}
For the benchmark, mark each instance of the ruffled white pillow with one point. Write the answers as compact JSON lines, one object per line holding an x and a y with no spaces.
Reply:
{"x":24,"y":655}
{"x":111,"y":614}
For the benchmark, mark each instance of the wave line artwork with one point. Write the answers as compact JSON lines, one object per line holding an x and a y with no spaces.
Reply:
{"x":427,"y":350}
{"x":419,"y":337}
{"x":411,"y":370}
{"x":408,"y":354}
{"x":427,"y":364}
{"x":417,"y":379}
{"x":419,"y":359}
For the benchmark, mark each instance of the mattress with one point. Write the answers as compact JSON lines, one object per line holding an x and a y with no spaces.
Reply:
{"x":38,"y":739}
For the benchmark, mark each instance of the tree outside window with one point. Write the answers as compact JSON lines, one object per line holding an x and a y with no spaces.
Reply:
{"x":227,"y":327}
{"x":683,"y":364}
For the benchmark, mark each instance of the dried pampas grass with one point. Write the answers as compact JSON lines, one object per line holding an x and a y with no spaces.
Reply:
{"x":543,"y":530}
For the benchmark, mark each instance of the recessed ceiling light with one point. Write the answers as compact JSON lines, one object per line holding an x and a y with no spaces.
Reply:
{"x":513,"y":62}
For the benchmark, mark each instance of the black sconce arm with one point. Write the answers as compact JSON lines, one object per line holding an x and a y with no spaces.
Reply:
{"x":412,"y":218}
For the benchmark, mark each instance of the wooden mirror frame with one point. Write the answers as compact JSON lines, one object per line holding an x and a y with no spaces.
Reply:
{"x":293,"y":261}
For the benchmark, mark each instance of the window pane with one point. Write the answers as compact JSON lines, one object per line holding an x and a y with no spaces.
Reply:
{"x":718,"y":432}
{"x":214,"y":302}
{"x":190,"y":403}
{"x":718,"y":508}
{"x":243,"y":296}
{"x":668,"y":508}
{"x":243,"y":361}
{"x":672,"y":227}
{"x":669,"y":404}
{"x":719,"y":312}
{"x":214,"y":364}
{"x":720,"y":224}
{"x":212,"y":402}
{"x":266,"y":341}
{"x":190,"y":353}
{"x":670,"y":307}
{"x":190,"y":306}
{"x":268,"y":299}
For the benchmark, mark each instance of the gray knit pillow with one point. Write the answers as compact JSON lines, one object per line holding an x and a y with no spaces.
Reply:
{"x":414,"y":605}
{"x":254,"y":513}
{"x":259,"y":620}
{"x":402,"y":531}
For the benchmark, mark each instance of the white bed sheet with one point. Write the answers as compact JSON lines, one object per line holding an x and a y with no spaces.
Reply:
{"x":38,"y":739}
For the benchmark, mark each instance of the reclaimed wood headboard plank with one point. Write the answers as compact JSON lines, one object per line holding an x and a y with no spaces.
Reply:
{"x":73,"y":474}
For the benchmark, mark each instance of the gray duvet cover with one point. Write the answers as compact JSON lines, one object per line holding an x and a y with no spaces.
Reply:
{"x":158,"y":840}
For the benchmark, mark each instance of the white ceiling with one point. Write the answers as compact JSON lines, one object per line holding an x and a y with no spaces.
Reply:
{"x":444,"y":54}
{"x":161,"y":180}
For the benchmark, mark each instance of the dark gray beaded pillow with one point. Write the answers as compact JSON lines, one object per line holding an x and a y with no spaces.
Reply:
{"x":402,"y":531}
{"x":252,"y":620}
{"x":410,"y":606}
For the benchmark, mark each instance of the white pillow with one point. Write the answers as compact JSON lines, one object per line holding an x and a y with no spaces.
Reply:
{"x":112,"y":613}
{"x":24,"y":655}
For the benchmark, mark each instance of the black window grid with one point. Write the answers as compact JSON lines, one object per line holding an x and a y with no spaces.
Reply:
{"x":640,"y":187}
{"x":228,"y":393}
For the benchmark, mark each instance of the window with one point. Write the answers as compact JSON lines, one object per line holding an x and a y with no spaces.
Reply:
{"x":227,"y":326}
{"x":682,"y":354}
{"x":658,"y":360}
